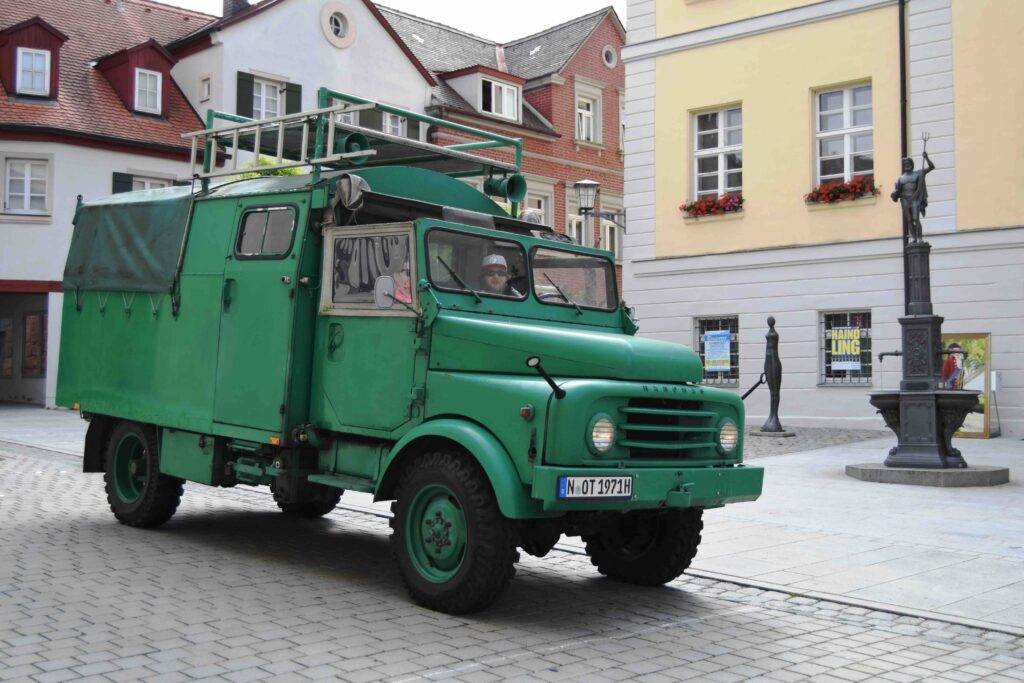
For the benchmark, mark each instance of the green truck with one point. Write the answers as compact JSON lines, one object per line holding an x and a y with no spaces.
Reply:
{"x":376,"y":324}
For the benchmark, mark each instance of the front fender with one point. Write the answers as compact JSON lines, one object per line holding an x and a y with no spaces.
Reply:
{"x":513,"y":498}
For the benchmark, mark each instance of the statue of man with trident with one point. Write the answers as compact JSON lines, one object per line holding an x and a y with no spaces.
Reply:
{"x":912,"y":193}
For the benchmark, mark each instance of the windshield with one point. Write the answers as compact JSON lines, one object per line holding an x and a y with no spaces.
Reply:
{"x":565,"y":278}
{"x":484,"y":266}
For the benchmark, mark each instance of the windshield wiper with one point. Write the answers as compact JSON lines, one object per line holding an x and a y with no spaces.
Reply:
{"x":579,"y":311}
{"x":458,"y":280}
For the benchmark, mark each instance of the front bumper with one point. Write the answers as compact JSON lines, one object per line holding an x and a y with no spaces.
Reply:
{"x":656,"y":487}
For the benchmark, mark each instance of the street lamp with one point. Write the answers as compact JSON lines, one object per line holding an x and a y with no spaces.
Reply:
{"x":586,"y":193}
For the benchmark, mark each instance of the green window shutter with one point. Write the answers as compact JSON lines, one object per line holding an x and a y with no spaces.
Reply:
{"x":292,"y":98}
{"x":243,"y":104}
{"x":371,"y":118}
{"x":122,"y":182}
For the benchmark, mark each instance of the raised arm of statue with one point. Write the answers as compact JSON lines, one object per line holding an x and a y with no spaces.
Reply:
{"x":928,"y":165}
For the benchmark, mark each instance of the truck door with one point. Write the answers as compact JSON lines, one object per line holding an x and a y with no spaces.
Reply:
{"x":365,"y":365}
{"x":257,"y":309}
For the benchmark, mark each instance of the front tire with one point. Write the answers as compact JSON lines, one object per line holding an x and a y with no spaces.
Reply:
{"x":646,"y":547}
{"x":454,"y":549}
{"x":138,"y":494}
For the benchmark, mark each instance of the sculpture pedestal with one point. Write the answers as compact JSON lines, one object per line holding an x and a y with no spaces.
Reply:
{"x":976,"y":475}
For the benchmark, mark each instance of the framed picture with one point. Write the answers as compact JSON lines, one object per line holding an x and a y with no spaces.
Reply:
{"x":968,"y":366}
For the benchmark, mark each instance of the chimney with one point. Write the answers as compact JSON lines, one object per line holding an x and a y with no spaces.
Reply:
{"x":234,"y":7}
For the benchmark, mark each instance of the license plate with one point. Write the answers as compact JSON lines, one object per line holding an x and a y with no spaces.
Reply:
{"x":595,"y":487}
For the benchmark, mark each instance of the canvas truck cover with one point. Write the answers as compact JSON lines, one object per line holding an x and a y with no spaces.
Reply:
{"x":128,"y":242}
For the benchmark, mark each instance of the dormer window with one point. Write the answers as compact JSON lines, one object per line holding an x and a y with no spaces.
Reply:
{"x":147,"y":91}
{"x":33,"y":72}
{"x":500,"y":99}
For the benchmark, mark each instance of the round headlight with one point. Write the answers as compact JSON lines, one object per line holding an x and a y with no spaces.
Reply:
{"x":602,"y":434}
{"x":728,"y":436}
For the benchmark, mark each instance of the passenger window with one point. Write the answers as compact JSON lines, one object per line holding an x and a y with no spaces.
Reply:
{"x":358,"y":261}
{"x":266,"y":233}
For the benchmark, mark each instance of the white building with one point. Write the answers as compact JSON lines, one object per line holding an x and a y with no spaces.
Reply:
{"x":85,"y":111}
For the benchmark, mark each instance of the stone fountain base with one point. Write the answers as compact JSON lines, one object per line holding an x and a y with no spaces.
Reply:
{"x":973,"y":475}
{"x":924,"y":423}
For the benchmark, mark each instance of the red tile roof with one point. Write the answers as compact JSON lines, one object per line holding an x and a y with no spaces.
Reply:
{"x":87,"y":104}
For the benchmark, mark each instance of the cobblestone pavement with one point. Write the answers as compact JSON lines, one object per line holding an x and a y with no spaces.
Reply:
{"x":805,"y":439}
{"x":231,"y":589}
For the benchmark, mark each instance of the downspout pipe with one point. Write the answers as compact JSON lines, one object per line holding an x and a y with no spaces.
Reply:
{"x":904,"y":141}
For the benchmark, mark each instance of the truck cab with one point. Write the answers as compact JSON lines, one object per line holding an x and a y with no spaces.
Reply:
{"x":378,"y":325}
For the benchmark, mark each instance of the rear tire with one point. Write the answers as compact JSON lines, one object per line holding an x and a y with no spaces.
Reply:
{"x":138,"y":494}
{"x":309,"y":500}
{"x":455,"y":550}
{"x":646,"y":547}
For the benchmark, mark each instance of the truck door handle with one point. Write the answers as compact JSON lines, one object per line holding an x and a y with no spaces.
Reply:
{"x":226,"y":294}
{"x":286,"y":279}
{"x":335,"y":334}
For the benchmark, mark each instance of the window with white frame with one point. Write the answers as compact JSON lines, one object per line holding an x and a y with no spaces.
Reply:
{"x":205,"y":88}
{"x":266,"y":99}
{"x":611,"y":238}
{"x":846,"y":347}
{"x":143,"y":183}
{"x":500,"y":99}
{"x":25,"y":186}
{"x":718,"y":152}
{"x":585,"y":111}
{"x":33,"y":71}
{"x":394,"y":124}
{"x":845,"y":140}
{"x":622,"y":123}
{"x":540,"y":204}
{"x":349,"y":117}
{"x":574,"y":229}
{"x":147,"y":91}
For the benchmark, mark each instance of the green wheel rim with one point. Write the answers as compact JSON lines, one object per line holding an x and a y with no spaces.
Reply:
{"x":436,"y":533}
{"x":131,"y":462}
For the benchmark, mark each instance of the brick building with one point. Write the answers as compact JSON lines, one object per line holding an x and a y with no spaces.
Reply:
{"x":561,"y":90}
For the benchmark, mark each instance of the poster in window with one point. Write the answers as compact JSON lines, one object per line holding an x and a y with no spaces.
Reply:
{"x":845,"y":349}
{"x":716,"y":351}
{"x":33,"y":357}
{"x":968,"y":366}
{"x":6,"y":348}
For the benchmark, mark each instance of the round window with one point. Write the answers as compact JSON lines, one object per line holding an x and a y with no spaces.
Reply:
{"x":337,"y":24}
{"x":609,"y":56}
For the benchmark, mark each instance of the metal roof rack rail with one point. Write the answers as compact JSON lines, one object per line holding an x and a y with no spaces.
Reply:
{"x":320,"y":140}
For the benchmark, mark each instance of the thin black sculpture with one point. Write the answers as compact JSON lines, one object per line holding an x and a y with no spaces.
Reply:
{"x":773,"y":376}
{"x":911,"y":192}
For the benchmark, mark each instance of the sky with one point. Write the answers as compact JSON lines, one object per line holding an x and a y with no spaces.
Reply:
{"x":496,"y":21}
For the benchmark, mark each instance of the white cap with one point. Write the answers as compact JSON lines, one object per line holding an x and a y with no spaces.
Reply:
{"x":494,"y":260}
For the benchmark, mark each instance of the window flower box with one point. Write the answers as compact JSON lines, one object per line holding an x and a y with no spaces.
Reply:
{"x":836,"y":191}
{"x":713,"y":206}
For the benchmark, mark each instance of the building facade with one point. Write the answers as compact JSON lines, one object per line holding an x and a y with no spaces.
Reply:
{"x":88,"y":107}
{"x":561,"y":90}
{"x":790,"y":105}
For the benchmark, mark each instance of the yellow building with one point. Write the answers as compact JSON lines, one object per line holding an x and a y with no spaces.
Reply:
{"x":791,"y":105}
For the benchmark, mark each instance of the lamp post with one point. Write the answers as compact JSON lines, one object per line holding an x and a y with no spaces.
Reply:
{"x":586,"y":194}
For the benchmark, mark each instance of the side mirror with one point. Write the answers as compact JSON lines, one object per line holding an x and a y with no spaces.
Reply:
{"x":384,"y":292}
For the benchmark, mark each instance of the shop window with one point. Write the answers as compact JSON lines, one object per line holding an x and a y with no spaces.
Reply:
{"x":6,"y":348}
{"x":719,"y":348}
{"x":846,"y":347}
{"x":33,"y":346}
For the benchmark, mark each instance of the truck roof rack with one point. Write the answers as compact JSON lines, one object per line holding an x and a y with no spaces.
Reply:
{"x":319,"y":139}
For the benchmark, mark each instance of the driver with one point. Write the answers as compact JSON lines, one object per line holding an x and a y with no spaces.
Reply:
{"x":494,"y":270}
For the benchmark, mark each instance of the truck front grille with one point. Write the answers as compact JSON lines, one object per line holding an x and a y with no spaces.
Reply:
{"x":666,"y":428}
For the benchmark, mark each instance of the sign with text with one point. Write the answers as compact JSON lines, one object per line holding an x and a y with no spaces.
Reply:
{"x":716,"y":351}
{"x":846,"y":348}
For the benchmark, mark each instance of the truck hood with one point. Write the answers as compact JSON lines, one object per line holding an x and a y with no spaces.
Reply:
{"x":494,"y":344}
